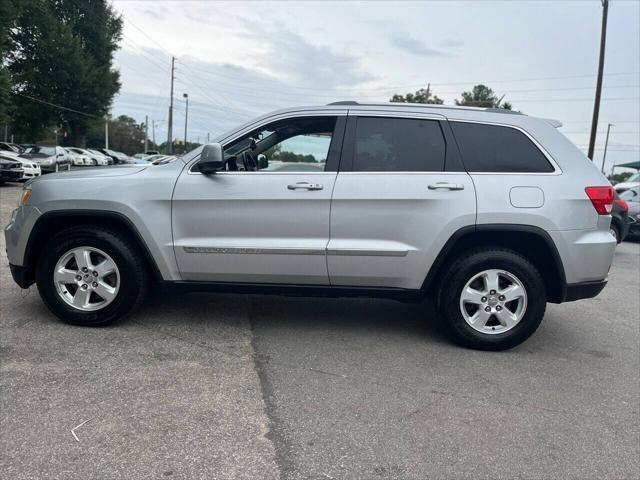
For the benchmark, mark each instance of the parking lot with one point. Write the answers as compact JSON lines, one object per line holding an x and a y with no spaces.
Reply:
{"x":223,"y":386}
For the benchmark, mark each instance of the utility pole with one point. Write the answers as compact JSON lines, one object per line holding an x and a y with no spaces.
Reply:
{"x":146,"y":133}
{"x":596,"y":105}
{"x":170,"y":128}
{"x":606,"y":144}
{"x":186,"y":116}
{"x":153,"y":130}
{"x":207,"y":137}
{"x":106,"y":132}
{"x":6,"y":128}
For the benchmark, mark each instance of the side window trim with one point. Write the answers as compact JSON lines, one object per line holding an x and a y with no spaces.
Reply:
{"x":556,"y":168}
{"x":335,"y":148}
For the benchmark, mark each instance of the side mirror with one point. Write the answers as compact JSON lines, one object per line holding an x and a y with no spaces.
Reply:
{"x":263,"y":162}
{"x":211,"y":159}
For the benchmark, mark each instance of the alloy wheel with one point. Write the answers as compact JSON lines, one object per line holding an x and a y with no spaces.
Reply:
{"x":493,"y":301}
{"x":86,"y":278}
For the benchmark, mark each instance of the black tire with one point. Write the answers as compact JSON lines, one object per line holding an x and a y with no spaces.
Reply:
{"x":462,"y":270}
{"x":134,"y":278}
{"x":615,"y":231}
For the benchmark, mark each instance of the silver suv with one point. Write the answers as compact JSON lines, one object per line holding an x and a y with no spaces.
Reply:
{"x":491,"y":214}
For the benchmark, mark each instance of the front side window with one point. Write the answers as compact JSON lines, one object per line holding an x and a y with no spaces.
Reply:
{"x":398,"y":145}
{"x":492,"y":148}
{"x":293,"y":145}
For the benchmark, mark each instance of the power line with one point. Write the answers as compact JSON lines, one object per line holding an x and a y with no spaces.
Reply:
{"x":62,"y":107}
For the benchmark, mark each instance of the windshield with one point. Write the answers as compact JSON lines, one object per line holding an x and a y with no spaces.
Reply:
{"x":42,"y":150}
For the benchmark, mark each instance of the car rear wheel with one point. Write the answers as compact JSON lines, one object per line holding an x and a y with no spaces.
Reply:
{"x":491,"y":299}
{"x":615,"y":232}
{"x":91,"y":276}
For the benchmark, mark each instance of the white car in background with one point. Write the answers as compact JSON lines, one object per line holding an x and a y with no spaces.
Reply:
{"x":31,"y":168}
{"x":632,"y":182}
{"x":78,"y":157}
{"x":100,"y":157}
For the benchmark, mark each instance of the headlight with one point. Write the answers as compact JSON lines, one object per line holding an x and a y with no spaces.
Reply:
{"x":26,"y":193}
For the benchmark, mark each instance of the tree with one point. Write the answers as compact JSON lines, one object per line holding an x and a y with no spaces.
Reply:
{"x":60,"y":51}
{"x":482,"y":96}
{"x":7,"y":10}
{"x":421,"y":96}
{"x":125,"y":135}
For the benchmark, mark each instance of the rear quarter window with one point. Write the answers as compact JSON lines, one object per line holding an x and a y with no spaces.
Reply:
{"x":492,"y":148}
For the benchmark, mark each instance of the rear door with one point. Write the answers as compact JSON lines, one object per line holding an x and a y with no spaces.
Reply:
{"x":400,"y":194}
{"x":265,"y":219}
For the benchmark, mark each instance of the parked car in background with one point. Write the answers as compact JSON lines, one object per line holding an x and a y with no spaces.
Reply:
{"x":632,"y":181}
{"x":118,"y":157}
{"x":619,"y":227}
{"x":632,"y":198}
{"x":17,"y":147}
{"x":30,"y":167}
{"x":9,"y":148}
{"x":100,"y":157}
{"x":78,"y":157}
{"x":51,"y":158}
{"x":10,"y":169}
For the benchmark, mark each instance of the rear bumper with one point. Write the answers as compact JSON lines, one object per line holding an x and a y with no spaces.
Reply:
{"x":578,"y":291}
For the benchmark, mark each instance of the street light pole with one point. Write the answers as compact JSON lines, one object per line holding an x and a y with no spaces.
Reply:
{"x":186,"y":116}
{"x":606,"y":144}
{"x":146,"y":133}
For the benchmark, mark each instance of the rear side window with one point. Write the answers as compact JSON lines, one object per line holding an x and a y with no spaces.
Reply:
{"x":398,"y":145}
{"x":491,"y":148}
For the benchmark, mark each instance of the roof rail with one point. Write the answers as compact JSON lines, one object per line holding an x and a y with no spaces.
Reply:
{"x":344,"y":102}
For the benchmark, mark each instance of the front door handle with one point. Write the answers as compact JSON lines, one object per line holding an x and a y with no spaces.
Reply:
{"x":446,"y":186}
{"x":304,"y":186}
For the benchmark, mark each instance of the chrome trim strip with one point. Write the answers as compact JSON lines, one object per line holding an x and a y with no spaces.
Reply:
{"x":255,"y":251}
{"x":358,"y":252}
{"x":349,"y":252}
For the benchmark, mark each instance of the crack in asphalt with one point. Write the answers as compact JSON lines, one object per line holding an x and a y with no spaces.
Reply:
{"x":276,"y":433}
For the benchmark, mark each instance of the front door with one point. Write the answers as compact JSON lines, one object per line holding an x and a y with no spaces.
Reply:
{"x":400,"y":195}
{"x":266,"y":218}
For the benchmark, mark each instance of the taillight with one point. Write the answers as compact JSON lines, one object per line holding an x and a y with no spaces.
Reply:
{"x":601,"y":198}
{"x":622,"y":204}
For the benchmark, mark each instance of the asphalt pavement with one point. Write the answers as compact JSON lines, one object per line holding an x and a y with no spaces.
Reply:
{"x":236,"y":386}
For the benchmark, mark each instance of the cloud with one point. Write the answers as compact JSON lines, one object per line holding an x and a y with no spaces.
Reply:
{"x":451,"y":43}
{"x":415,"y":47}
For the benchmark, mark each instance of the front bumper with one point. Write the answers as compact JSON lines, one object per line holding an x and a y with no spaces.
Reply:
{"x":20,"y":276}
{"x":11,"y":175}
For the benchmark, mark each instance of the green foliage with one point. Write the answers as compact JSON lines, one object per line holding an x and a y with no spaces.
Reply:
{"x":7,"y":12}
{"x":482,"y":96}
{"x":60,"y":51}
{"x":125,"y":135}
{"x":620,"y":177}
{"x":424,"y":95}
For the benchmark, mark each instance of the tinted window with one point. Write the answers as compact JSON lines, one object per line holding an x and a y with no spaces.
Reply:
{"x":398,"y":145}
{"x":490,"y":148}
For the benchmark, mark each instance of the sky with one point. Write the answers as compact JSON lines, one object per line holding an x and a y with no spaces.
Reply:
{"x":238,"y":60}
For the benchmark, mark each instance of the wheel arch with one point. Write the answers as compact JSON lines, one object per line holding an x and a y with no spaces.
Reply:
{"x":51,"y":223}
{"x":531,"y":242}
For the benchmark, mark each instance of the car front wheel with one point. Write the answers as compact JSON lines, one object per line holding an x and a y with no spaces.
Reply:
{"x":491,"y":299}
{"x":91,"y":276}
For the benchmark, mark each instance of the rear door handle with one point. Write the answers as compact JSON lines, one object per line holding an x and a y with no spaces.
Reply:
{"x":304,"y":186}
{"x":446,"y":186}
